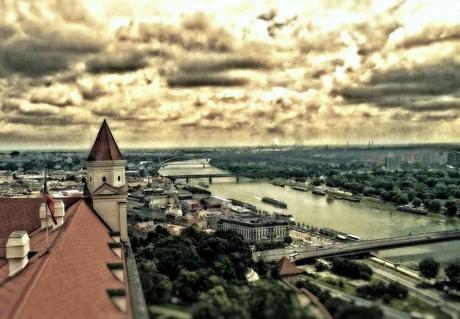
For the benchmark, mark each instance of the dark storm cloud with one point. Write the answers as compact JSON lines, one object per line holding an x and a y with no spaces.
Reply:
{"x":275,"y":130}
{"x":437,"y":117}
{"x":232,"y":63}
{"x":197,"y":80}
{"x":116,"y":62}
{"x":212,"y":72}
{"x":417,"y":89}
{"x":34,"y":46}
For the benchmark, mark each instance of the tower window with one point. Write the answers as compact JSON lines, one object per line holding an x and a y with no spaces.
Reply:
{"x":119,"y":178}
{"x":103,"y":179}
{"x":90,"y":179}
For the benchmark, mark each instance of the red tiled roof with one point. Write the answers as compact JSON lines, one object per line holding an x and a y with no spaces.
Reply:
{"x":19,"y":214}
{"x":22,"y":214}
{"x":105,"y":148}
{"x":287,"y":267}
{"x":71,"y":280}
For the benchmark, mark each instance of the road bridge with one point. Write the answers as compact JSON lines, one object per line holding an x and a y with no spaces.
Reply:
{"x":187,"y":177}
{"x":359,"y":247}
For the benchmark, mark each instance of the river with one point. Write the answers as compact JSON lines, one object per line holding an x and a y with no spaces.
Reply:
{"x":367,"y":219}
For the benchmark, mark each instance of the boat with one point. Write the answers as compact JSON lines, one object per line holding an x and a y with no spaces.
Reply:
{"x":300,"y":188}
{"x":278,"y":184}
{"x":351,"y":199}
{"x":318,"y":192}
{"x":413,"y":210}
{"x":274,"y":202}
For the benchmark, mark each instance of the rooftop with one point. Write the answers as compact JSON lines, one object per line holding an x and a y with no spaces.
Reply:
{"x":72,"y":279}
{"x":105,"y":148}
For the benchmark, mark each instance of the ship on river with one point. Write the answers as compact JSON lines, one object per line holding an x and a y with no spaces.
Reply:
{"x":274,"y":202}
{"x":300,"y":188}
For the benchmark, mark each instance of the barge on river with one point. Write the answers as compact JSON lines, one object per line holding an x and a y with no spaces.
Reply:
{"x":274,"y":202}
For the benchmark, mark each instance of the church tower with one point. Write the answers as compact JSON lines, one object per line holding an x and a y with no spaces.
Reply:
{"x":105,"y":169}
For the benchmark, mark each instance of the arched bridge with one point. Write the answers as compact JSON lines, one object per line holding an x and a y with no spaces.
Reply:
{"x":362,"y":246}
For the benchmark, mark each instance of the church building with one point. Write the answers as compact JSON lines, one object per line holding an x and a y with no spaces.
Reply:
{"x":82,"y":266}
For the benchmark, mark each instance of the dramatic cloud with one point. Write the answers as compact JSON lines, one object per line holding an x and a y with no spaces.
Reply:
{"x":116,"y":62}
{"x":170,"y":73}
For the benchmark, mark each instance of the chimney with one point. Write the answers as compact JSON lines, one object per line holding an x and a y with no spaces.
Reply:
{"x":59,"y":210}
{"x":17,"y":249}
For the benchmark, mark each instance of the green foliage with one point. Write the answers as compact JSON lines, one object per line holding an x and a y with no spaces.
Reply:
{"x":382,"y":291}
{"x":351,"y":268}
{"x":453,"y":274}
{"x":339,"y":308}
{"x":355,"y":312}
{"x":11,"y":166}
{"x":429,"y":267}
{"x":268,"y":300}
{"x":288,"y":240}
{"x":217,"y":304}
{"x":157,"y":287}
{"x":193,"y":261}
{"x":451,"y":206}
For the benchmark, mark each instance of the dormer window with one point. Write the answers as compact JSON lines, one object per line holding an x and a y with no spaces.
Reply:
{"x":104,"y":179}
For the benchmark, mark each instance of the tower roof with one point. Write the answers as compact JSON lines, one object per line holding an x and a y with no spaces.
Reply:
{"x":105,"y":148}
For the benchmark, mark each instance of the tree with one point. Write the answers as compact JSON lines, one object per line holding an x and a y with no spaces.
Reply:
{"x":269,"y":300}
{"x":186,"y":285}
{"x":14,"y":154}
{"x":417,"y":202}
{"x":453,"y":273}
{"x":288,"y":240}
{"x":157,"y":287}
{"x":11,"y":166}
{"x":451,"y":206}
{"x":429,"y":267}
{"x":396,"y":290}
{"x":440,"y":191}
{"x":351,"y":268}
{"x":217,"y":304}
{"x":434,"y":205}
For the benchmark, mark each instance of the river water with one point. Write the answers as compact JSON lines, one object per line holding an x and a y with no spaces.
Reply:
{"x":367,"y":219}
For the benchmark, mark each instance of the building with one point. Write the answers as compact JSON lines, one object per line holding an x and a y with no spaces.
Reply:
{"x":255,"y":228}
{"x":392,"y":163}
{"x":81,"y":267}
{"x":190,"y":206}
{"x":453,"y":158}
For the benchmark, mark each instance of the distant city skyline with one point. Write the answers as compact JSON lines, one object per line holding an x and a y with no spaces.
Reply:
{"x":208,"y":73}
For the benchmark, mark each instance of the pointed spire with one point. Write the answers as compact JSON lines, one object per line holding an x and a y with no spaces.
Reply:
{"x":105,"y":148}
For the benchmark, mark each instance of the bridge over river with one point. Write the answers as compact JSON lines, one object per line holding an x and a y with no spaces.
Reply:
{"x":210,"y":176}
{"x":362,"y":246}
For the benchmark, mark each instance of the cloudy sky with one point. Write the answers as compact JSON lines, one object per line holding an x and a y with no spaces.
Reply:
{"x":202,"y":72}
